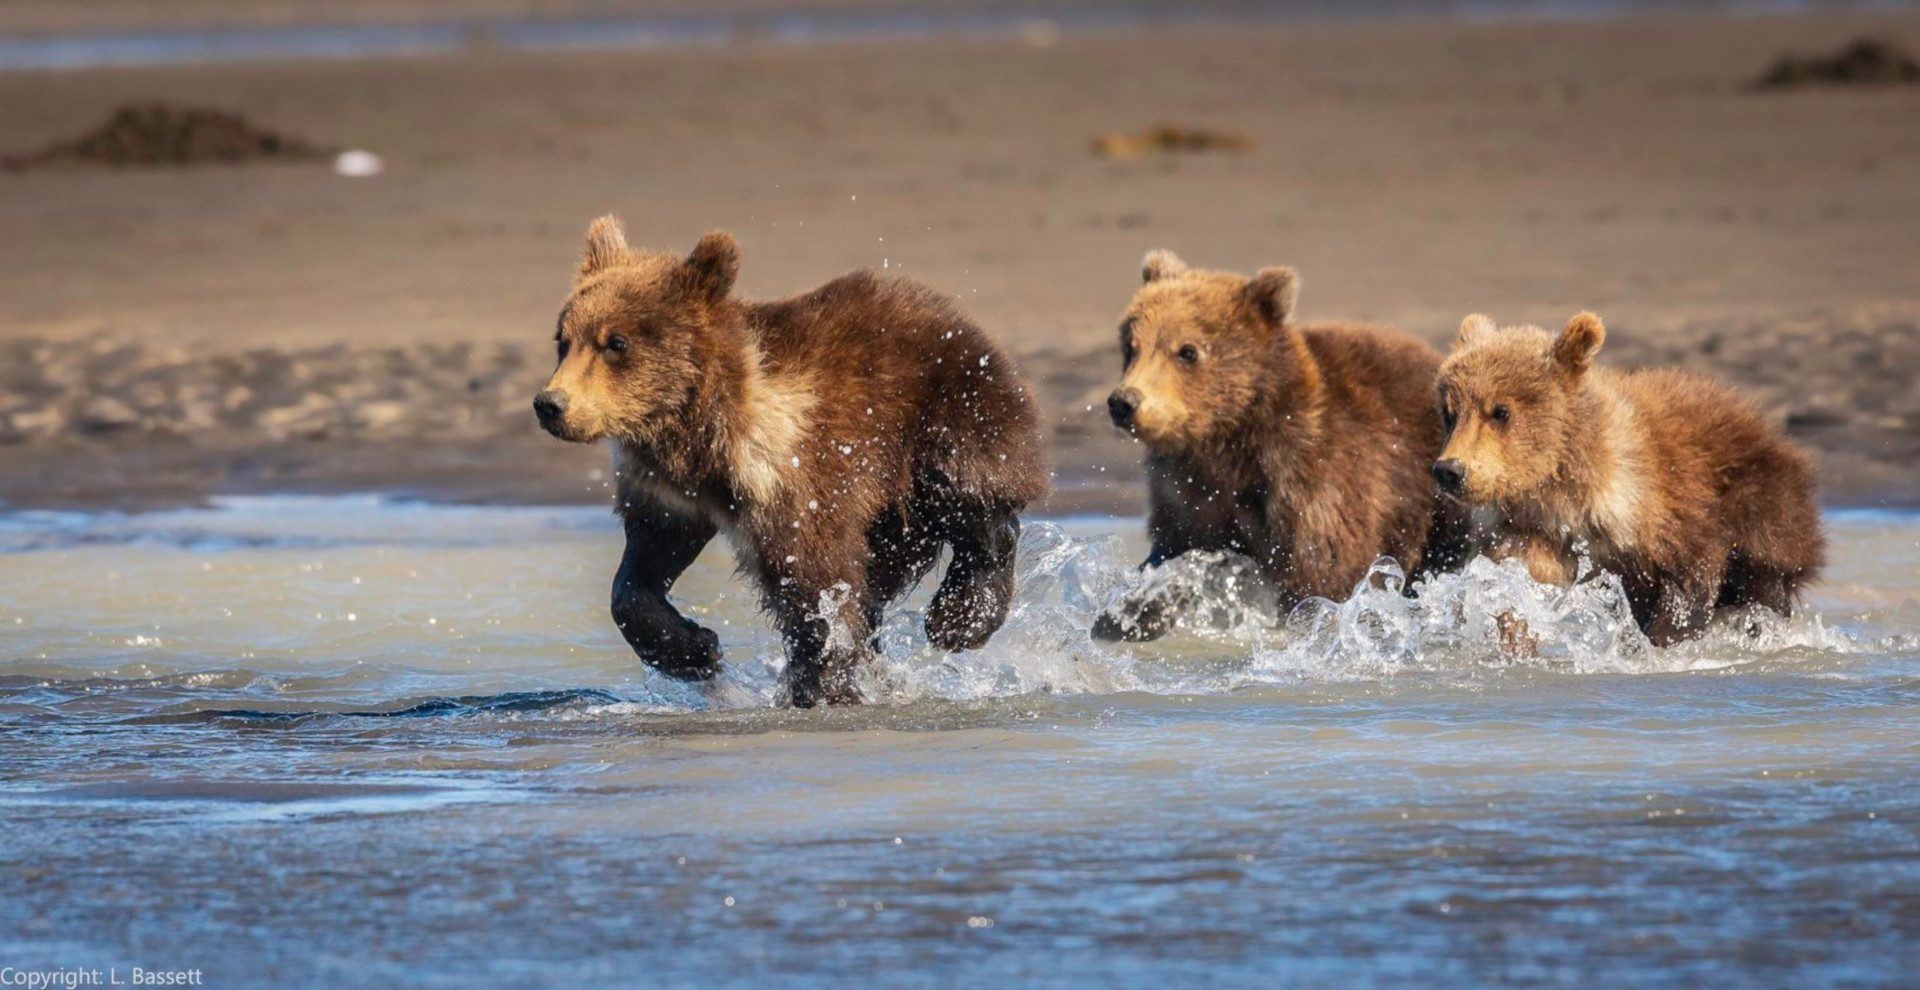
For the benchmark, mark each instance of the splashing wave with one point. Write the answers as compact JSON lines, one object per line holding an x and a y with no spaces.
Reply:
{"x":1232,"y":637}
{"x":1234,"y":640}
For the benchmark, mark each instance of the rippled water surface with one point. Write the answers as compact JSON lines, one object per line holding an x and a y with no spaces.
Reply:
{"x":301,"y":741}
{"x":1038,"y":21}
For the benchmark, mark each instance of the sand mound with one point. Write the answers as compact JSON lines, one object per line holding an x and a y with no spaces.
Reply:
{"x":165,"y":134}
{"x":1865,"y":62}
{"x":1168,"y":138}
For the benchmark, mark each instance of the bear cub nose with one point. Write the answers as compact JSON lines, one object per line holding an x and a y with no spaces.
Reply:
{"x":1451,"y":476}
{"x":1121,"y":405}
{"x":550,"y":406}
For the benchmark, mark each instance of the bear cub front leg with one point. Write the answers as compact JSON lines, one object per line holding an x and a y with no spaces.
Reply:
{"x":1148,"y":611}
{"x":824,"y":663}
{"x":660,"y":546}
{"x":1141,"y":616}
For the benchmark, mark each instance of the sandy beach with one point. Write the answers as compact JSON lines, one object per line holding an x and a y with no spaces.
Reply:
{"x":167,"y":333}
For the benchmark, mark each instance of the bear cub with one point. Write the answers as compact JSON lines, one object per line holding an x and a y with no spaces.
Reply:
{"x":1306,"y":448}
{"x":1663,"y":477}
{"x":842,"y":437}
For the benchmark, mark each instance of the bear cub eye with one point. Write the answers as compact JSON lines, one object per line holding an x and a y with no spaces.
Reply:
{"x":1500,"y":414}
{"x":1189,"y":354}
{"x":617,"y":344}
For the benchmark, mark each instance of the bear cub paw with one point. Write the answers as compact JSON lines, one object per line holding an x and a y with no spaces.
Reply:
{"x":965,"y":614}
{"x":1134,"y":620}
{"x":692,"y":654}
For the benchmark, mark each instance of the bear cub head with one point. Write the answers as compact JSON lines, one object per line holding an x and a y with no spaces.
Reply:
{"x":1509,"y":401}
{"x":1199,"y":349}
{"x":635,"y":335}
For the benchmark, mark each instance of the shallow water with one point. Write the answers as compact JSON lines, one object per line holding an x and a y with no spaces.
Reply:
{"x":294,"y":741}
{"x":1037,"y":21}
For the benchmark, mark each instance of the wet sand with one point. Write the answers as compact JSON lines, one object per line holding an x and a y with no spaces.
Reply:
{"x":175,"y":332}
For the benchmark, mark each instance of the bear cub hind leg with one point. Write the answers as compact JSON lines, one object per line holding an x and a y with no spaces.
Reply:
{"x":978,"y":588}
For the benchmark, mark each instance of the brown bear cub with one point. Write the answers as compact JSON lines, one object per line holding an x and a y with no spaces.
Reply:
{"x":1306,"y":448}
{"x":1663,"y":477}
{"x":841,"y":437}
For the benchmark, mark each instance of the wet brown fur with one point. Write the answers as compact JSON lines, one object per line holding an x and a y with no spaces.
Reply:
{"x":1306,"y":448}
{"x":841,"y":436}
{"x":1664,"y":477}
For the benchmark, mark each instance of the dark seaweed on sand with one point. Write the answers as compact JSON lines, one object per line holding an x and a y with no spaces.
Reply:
{"x":168,"y":134}
{"x":1864,"y":62}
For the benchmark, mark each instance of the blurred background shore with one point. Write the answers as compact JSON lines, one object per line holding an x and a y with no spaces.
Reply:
{"x":175,"y":330}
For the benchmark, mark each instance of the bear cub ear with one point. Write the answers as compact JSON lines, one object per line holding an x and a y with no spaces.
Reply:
{"x":1475,"y":328}
{"x":1273,"y":293}
{"x":606,"y":243}
{"x":1574,"y":349}
{"x":713,"y":265}
{"x":1161,"y":264}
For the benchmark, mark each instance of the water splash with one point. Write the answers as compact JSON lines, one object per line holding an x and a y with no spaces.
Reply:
{"x":1232,"y":637}
{"x":274,"y":617}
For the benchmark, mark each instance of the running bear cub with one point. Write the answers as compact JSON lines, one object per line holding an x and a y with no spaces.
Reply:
{"x":1306,"y":448}
{"x":841,"y":437}
{"x":1665,"y":478}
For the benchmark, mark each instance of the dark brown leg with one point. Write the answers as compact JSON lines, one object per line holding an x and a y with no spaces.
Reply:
{"x":823,"y":663}
{"x":978,"y":588}
{"x":899,"y":555}
{"x":1681,"y":612}
{"x":661,"y":545}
